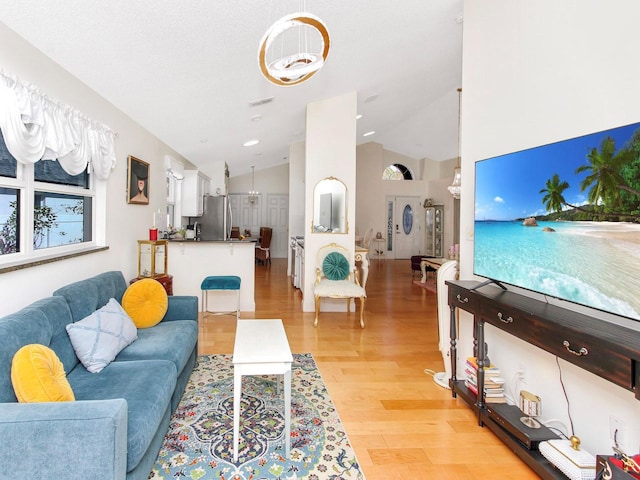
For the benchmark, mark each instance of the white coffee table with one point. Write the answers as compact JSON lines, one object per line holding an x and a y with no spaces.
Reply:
{"x":261,"y":348}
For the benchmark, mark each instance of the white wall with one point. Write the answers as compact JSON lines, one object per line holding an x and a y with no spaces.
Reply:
{"x":267,"y":180}
{"x":432,"y":179}
{"x":535,"y":73}
{"x":125,"y":223}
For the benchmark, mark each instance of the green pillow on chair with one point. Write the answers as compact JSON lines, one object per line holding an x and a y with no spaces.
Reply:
{"x":335,"y":266}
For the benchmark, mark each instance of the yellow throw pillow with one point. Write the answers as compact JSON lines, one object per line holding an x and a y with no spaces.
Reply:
{"x":37,"y":375}
{"x":146,"y":302}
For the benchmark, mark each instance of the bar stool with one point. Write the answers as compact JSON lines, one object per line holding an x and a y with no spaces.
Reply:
{"x":224,"y":282}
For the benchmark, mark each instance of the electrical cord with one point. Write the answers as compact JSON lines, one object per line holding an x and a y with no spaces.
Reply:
{"x":556,"y":420}
{"x":564,"y":391}
{"x":562,"y":434}
{"x":513,"y":383}
{"x":440,"y":378}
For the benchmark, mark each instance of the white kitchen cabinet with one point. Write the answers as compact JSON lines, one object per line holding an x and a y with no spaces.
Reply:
{"x":219,"y":171}
{"x":194,"y":186}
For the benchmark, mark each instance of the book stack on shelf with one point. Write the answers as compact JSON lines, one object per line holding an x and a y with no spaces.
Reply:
{"x":493,"y":382}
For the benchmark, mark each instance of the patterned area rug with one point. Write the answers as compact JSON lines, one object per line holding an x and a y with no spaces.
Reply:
{"x":199,"y":443}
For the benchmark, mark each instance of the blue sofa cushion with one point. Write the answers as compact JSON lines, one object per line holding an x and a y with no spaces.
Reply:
{"x":41,"y":322}
{"x":86,"y":296}
{"x":146,"y":385}
{"x":172,"y":341}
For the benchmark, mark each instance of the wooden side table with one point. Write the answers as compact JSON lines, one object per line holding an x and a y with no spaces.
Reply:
{"x":165,"y":280}
{"x":379,"y":247}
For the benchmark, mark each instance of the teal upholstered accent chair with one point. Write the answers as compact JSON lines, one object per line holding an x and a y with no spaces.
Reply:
{"x":336,"y":277}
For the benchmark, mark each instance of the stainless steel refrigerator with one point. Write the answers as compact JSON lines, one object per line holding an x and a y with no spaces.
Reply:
{"x":215,"y":222}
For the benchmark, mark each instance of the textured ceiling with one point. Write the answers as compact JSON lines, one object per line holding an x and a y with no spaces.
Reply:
{"x":187,"y":71}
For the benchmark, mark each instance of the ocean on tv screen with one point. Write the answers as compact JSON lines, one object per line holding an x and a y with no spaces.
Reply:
{"x":590,"y":263}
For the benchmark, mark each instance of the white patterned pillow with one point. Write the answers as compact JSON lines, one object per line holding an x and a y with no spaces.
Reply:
{"x":98,"y":338}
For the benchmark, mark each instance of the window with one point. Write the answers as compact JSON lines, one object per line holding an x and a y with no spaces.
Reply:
{"x":397,"y":171}
{"x":9,"y":231}
{"x":174,"y":177}
{"x":60,"y":220}
{"x":171,"y":198}
{"x":43,"y":209}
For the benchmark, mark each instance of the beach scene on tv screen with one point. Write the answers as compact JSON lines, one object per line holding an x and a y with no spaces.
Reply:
{"x":564,"y":220}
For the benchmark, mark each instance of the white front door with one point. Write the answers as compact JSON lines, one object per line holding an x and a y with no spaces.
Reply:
{"x":278,"y":219}
{"x":407,"y":227}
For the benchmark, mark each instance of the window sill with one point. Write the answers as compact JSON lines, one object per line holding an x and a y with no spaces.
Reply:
{"x":35,"y":262}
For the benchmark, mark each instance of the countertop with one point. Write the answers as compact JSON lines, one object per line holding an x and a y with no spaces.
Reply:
{"x":172,"y":240}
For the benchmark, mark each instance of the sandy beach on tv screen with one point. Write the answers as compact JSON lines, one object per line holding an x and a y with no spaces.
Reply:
{"x":620,"y":231}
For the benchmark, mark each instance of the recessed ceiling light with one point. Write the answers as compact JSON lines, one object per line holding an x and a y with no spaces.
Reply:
{"x":368,"y":133}
{"x":256,"y":118}
{"x":257,"y":154}
{"x":251,"y":143}
{"x":204,"y":140}
{"x":359,"y":116}
{"x":370,"y":98}
{"x":261,"y":101}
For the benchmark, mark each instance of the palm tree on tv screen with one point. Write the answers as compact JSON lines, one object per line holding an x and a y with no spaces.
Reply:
{"x":604,"y":174}
{"x":554,"y":200}
{"x":612,"y":179}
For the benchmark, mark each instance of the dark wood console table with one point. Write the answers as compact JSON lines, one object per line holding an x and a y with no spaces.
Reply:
{"x":165,"y":280}
{"x":606,"y":349}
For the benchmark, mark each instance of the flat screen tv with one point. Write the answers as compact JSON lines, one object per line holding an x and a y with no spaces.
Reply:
{"x":563,"y":220}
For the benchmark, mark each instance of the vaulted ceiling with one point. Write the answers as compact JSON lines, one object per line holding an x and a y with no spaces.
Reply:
{"x":188,"y":71}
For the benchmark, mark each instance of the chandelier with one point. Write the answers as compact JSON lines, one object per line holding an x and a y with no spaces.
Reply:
{"x":253,"y":194}
{"x":295,"y":61}
{"x":454,"y":188}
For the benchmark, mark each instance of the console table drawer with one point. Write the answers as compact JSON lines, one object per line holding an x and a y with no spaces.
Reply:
{"x":588,"y":353}
{"x":462,"y":298}
{"x":509,"y":320}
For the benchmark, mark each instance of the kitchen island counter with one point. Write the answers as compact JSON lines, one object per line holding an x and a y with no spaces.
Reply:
{"x":191,"y":261}
{"x":185,"y":240}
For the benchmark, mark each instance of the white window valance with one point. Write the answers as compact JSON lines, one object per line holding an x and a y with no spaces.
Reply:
{"x":36,"y":127}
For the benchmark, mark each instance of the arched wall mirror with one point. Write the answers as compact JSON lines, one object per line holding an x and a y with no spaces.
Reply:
{"x":330,"y":207}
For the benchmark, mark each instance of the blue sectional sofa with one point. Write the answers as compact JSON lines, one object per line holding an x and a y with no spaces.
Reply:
{"x":116,"y":425}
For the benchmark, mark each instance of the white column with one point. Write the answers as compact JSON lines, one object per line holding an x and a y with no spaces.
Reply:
{"x":330,"y":150}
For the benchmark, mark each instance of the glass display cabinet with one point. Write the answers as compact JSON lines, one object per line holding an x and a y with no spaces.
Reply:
{"x":434,"y":230}
{"x":152,"y":258}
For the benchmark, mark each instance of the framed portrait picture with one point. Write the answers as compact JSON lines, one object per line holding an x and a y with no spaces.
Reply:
{"x":137,"y":181}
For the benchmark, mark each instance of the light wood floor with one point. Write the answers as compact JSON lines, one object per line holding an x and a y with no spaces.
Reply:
{"x":400,"y":423}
